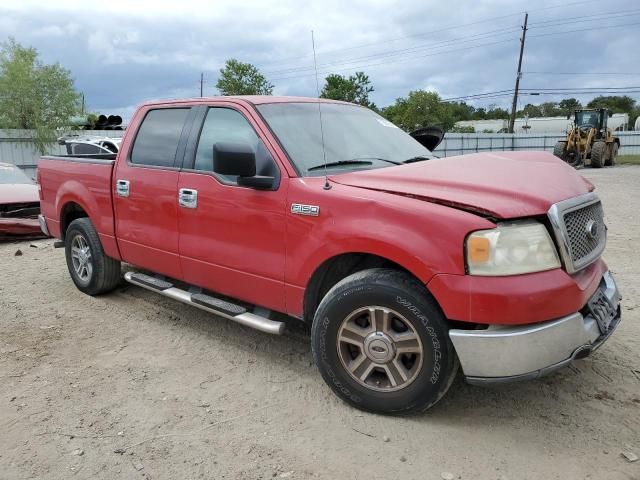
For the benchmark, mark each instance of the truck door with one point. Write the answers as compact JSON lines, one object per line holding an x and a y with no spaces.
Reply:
{"x":232,"y":237}
{"x":146,"y":191}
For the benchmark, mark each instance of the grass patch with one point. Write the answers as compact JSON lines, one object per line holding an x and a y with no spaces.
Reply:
{"x":629,"y":159}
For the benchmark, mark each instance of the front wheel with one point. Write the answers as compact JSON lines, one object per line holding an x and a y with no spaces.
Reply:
{"x":559,"y":150}
{"x":598,"y":154}
{"x":382,"y":344}
{"x":91,"y":270}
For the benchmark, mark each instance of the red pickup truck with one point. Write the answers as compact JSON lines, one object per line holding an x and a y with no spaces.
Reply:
{"x":406,"y":266}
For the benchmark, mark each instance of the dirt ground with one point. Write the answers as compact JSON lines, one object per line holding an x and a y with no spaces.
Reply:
{"x":132,"y":385}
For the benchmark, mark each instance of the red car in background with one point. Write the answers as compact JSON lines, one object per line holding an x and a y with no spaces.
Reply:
{"x":19,"y":204}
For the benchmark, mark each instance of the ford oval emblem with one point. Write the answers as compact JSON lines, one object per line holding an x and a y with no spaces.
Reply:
{"x":592,"y":229}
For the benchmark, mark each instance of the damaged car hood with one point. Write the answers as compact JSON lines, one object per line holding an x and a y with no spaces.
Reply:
{"x":500,"y":185}
{"x":18,"y":193}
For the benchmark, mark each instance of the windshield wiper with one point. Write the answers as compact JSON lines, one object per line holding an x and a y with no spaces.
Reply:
{"x":353,"y":161}
{"x":378,"y":158}
{"x":340,"y":163}
{"x":418,"y":158}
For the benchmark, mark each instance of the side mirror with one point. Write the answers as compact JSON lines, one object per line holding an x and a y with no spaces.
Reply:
{"x":238,"y":159}
{"x":429,"y":137}
{"x":234,"y":159}
{"x":568,"y":116}
{"x":610,"y":113}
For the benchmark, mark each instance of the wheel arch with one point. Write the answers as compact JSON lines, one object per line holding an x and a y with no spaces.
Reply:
{"x":339,"y":266}
{"x":69,"y":212}
{"x":75,"y":200}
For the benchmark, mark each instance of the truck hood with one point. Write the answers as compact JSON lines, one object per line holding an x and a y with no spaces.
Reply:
{"x":500,"y":185}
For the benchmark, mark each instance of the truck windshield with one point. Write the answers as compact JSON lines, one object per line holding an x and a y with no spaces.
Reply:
{"x":587,"y":118}
{"x":10,"y":175}
{"x":355,"y":138}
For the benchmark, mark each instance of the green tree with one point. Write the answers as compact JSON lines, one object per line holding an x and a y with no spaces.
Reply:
{"x":550,"y":109}
{"x":456,"y":129}
{"x":355,"y":88}
{"x":462,"y":111}
{"x":33,"y":95}
{"x":421,"y":109}
{"x":479,"y":114}
{"x":497,"y":113}
{"x":615,"y":103}
{"x":530,"y":110}
{"x":569,"y":105}
{"x":238,"y":78}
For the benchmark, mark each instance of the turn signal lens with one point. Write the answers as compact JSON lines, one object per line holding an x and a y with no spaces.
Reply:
{"x":478,"y":249}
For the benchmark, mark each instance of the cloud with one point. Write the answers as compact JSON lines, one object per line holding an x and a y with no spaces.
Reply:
{"x":122,"y":53}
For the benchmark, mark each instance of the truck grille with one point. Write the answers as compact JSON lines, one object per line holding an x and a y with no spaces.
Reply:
{"x":580,"y":230}
{"x":582,"y":243}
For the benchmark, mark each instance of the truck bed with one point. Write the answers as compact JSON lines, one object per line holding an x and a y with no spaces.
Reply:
{"x":84,"y":181}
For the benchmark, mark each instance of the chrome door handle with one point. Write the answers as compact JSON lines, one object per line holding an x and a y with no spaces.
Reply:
{"x":122,"y":188}
{"x":188,"y":198}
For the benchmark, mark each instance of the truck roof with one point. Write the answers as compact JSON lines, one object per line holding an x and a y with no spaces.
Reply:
{"x":253,"y":99}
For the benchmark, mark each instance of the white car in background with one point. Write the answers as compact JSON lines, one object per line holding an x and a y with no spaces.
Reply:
{"x":90,"y":145}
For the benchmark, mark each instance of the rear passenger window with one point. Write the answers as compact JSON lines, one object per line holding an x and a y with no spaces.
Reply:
{"x":157,"y":139}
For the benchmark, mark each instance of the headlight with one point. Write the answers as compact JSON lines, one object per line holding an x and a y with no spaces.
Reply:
{"x":511,"y":249}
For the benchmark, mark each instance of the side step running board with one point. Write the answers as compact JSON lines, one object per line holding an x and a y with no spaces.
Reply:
{"x":208,"y":303}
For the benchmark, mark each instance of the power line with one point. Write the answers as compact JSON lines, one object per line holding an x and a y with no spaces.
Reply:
{"x":451,"y":27}
{"x":389,"y":54}
{"x":543,"y":92}
{"x":581,"y":88}
{"x":595,"y":92}
{"x":560,"y":5}
{"x":597,"y":17}
{"x":404,"y":51}
{"x":325,"y":52}
{"x":394,"y":61}
{"x":476,"y":95}
{"x":564,"y":32}
{"x":583,"y":73}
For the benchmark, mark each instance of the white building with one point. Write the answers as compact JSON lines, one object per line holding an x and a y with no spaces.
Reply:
{"x":619,"y":121}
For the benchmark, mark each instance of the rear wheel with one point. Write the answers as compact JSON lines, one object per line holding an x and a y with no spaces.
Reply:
{"x":598,"y":154}
{"x":613,"y":155}
{"x":91,"y":270}
{"x":382,"y":344}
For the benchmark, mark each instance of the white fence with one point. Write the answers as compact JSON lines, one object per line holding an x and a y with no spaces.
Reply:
{"x":463,"y":143}
{"x":16,"y":146}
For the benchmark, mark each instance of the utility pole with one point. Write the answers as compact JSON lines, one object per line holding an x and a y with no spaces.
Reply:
{"x":514,"y":106}
{"x":201,"y":82}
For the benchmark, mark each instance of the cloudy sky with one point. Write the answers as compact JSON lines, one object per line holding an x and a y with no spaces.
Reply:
{"x":124,"y":52}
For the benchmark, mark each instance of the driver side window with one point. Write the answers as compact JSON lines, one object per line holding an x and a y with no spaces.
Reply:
{"x":227,"y":125}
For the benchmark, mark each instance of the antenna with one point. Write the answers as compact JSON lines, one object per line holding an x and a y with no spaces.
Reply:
{"x":327,"y":185}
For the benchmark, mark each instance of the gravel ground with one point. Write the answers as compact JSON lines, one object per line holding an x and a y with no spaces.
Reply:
{"x":132,"y":385}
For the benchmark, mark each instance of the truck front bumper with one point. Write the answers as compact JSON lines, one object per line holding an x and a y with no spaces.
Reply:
{"x":509,"y":353}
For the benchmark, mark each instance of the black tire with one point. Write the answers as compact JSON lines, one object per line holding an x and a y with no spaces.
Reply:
{"x":397,"y":292}
{"x":559,"y":150}
{"x":613,"y":155}
{"x":598,"y":154}
{"x":102,"y":273}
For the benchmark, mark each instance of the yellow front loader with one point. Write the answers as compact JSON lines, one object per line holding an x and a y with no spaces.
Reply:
{"x":590,"y":141}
